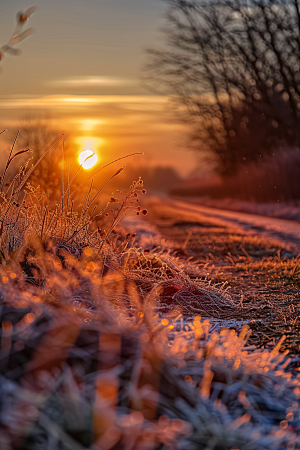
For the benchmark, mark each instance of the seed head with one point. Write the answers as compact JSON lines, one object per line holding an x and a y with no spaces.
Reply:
{"x":119,"y":171}
{"x":22,"y":17}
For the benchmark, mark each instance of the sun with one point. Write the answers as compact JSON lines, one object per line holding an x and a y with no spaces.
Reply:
{"x":87,"y":159}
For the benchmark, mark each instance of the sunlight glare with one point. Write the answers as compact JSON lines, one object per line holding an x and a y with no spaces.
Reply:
{"x":90,"y":124}
{"x":90,"y":162}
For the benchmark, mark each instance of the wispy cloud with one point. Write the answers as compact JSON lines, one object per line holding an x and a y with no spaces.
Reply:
{"x":91,"y":81}
{"x":57,"y":101}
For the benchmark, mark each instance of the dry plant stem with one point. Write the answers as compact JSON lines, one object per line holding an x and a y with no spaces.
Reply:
{"x":35,"y":165}
{"x":67,"y":190}
{"x":62,"y":174}
{"x":100,"y":190}
{"x":63,"y":195}
{"x":78,"y":231}
{"x":68,"y":196}
{"x":116,"y":160}
{"x":10,"y":203}
{"x":9,"y":160}
{"x":18,"y":153}
{"x":16,"y":191}
{"x":86,"y":201}
{"x":17,"y":35}
{"x":89,"y":220}
{"x":44,"y":219}
{"x":84,"y":212}
{"x":120,"y":214}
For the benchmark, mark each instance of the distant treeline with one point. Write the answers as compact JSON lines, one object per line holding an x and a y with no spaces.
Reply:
{"x":276,"y":178}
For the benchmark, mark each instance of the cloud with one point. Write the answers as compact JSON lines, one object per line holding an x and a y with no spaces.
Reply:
{"x":91,"y":81}
{"x":58,"y":101}
{"x":88,"y":124}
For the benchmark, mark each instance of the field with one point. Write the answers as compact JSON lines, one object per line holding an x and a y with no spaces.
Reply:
{"x":142,"y":327}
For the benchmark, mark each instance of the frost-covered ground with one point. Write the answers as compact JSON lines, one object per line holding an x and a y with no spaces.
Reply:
{"x":107,"y":350}
{"x":253,"y":259}
{"x":281,"y":210}
{"x":260,"y":221}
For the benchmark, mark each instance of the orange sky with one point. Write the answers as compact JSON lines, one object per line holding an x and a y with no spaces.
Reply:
{"x":82,"y":67}
{"x":110,"y":125}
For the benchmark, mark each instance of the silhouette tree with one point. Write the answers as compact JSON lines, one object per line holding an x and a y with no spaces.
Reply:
{"x":232,"y":69}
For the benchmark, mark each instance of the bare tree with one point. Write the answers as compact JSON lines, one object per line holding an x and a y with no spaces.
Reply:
{"x":232,"y":68}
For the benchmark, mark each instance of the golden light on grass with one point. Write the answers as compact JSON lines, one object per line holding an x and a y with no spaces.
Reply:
{"x":87,"y":159}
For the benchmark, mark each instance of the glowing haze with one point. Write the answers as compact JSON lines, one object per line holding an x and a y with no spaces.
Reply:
{"x":82,"y":67}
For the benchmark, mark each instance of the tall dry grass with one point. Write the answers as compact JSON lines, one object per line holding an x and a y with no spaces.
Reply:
{"x":27,"y":210}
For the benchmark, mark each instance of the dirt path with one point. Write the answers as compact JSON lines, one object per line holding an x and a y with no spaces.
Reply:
{"x":285,"y":231}
{"x":253,"y":257}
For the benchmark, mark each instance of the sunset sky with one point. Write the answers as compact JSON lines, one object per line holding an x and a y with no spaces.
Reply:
{"x":82,"y":68}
